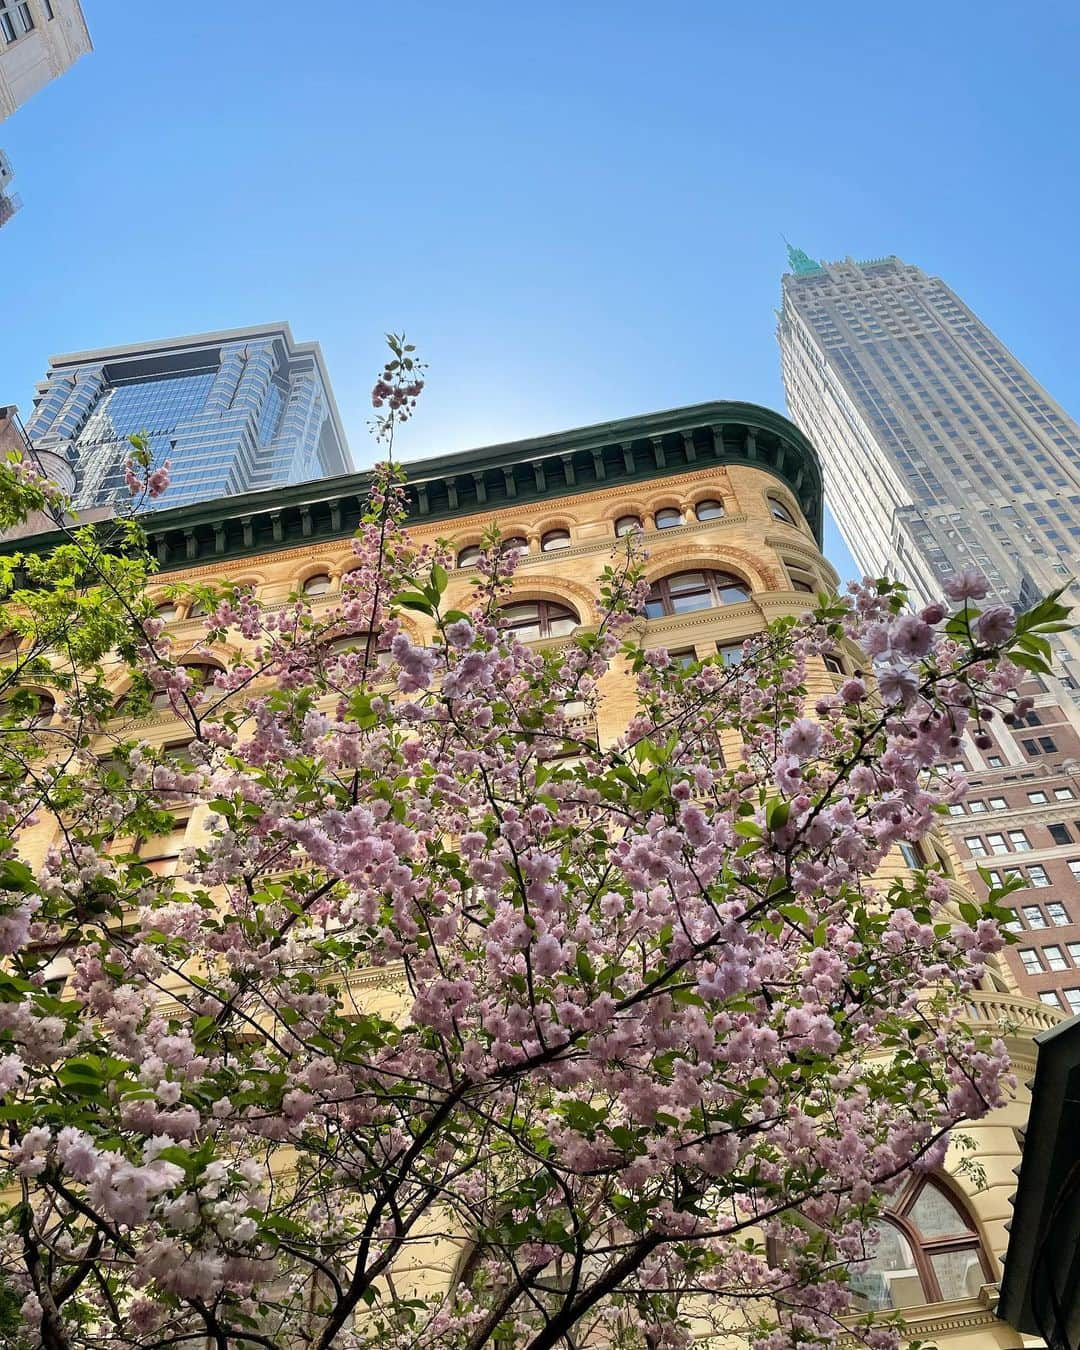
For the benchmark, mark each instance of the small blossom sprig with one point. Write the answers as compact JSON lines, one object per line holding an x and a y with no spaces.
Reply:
{"x":398,"y":388}
{"x":141,"y":478}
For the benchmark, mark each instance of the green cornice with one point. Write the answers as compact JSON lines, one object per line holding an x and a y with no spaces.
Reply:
{"x":492,"y":479}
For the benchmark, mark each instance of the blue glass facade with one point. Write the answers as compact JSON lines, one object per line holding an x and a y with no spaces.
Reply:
{"x":234,"y":412}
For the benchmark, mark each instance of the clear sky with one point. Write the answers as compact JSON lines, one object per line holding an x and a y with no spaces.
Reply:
{"x":574,"y":208}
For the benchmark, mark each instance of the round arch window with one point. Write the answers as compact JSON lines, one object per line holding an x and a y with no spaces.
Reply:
{"x":553,"y":540}
{"x":928,"y":1251}
{"x":627,"y":525}
{"x":514,"y":543}
{"x":470,"y":555}
{"x":684,"y":592}
{"x":167,"y":611}
{"x":668,"y":517}
{"x":709,"y":509}
{"x":532,"y":619}
{"x":319,"y":584}
{"x":779,"y":511}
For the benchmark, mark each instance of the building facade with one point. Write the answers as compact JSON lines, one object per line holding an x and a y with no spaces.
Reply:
{"x":730,"y":500}
{"x":941,"y":451}
{"x":234,"y":411}
{"x":39,"y":40}
{"x":10,"y":202}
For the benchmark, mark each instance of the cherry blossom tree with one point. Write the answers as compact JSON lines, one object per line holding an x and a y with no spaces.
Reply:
{"x":457,"y":1028}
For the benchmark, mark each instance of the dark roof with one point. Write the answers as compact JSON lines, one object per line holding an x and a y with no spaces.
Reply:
{"x":1040,"y":1291}
{"x":609,"y":454}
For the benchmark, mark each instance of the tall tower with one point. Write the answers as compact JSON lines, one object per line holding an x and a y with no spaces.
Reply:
{"x":234,"y":411}
{"x":942,"y":452}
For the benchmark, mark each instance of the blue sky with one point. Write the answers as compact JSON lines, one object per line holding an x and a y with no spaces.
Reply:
{"x":574,"y":208}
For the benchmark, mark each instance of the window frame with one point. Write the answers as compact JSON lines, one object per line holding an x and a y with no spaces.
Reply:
{"x":544,"y":616}
{"x":715,"y":583}
{"x":565,"y":539}
{"x":780,"y":511}
{"x":718,"y":514}
{"x":923,"y":1246}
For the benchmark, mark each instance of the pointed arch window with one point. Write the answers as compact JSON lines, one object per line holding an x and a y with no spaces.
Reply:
{"x":928,"y":1251}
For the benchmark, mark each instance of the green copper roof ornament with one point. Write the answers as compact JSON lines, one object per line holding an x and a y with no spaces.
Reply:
{"x":801,"y":263}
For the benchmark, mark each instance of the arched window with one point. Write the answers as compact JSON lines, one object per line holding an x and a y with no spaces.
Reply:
{"x":515,"y":543}
{"x":928,"y":1251}
{"x":684,"y":592}
{"x":780,"y":512}
{"x":319,"y":584}
{"x":668,"y":517}
{"x":627,"y":525}
{"x":197,"y":610}
{"x":553,"y":540}
{"x":709,"y":509}
{"x":532,"y":619}
{"x":167,"y":611}
{"x":470,"y":555}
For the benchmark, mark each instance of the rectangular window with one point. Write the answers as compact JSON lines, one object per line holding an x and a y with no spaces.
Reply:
{"x":48,"y":9}
{"x":1074,"y":868}
{"x":1030,"y":747}
{"x":1072,"y":998}
{"x":1014,"y":925}
{"x":730,"y":653}
{"x":1029,"y":958}
{"x":1052,"y":999}
{"x":683,"y":657}
{"x":1037,"y":798}
{"x":1047,"y":745}
{"x":975,"y":846}
{"x":995,"y":761}
{"x":1055,"y":958}
{"x":1037,"y":875}
{"x":997,"y":842}
{"x":997,"y":803}
{"x":1019,"y":841}
{"x":976,"y":808}
{"x":1074,"y":951}
{"x":1063,"y":794}
{"x":1060,"y":834}
{"x":1059,"y":915}
{"x":956,"y":808}
{"x":1033,"y":916}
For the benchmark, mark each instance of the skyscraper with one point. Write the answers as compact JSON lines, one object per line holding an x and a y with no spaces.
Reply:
{"x":39,"y":40}
{"x":942,"y":452}
{"x":235,"y":412}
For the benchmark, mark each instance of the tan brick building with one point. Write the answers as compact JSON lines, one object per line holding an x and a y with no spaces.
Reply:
{"x":729,"y":498}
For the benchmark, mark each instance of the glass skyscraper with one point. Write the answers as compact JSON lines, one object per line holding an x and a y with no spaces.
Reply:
{"x":941,"y":451}
{"x":234,"y":411}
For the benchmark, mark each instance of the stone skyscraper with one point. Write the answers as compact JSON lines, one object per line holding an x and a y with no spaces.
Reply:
{"x":941,"y":451}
